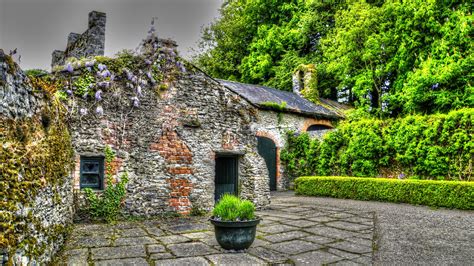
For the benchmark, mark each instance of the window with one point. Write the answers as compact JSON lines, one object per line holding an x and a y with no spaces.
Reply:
{"x":317,"y":127}
{"x":92,"y":172}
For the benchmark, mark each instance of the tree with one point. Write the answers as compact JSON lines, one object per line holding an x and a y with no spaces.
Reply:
{"x":389,"y":58}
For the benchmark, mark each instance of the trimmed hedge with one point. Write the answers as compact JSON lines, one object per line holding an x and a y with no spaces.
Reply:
{"x":450,"y":194}
{"x":431,"y":147}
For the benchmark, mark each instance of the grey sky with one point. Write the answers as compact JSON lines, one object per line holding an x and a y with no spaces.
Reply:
{"x":37,"y":27}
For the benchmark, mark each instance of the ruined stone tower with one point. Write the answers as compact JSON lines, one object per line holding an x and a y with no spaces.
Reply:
{"x":89,"y":43}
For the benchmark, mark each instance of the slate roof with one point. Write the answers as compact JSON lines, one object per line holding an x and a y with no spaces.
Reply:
{"x":259,"y":95}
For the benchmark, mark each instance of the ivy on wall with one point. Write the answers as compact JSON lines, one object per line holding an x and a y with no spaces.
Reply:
{"x":423,"y":147}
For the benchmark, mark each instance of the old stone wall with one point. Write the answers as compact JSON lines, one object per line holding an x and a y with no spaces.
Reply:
{"x":17,"y":97}
{"x":274,"y":125}
{"x":168,"y":143}
{"x":89,"y":43}
{"x":35,"y":197}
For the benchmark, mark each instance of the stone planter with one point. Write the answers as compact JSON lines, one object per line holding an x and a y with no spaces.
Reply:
{"x":235,"y":235}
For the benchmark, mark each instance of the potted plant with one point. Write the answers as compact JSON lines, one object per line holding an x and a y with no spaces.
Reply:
{"x":234,"y":222}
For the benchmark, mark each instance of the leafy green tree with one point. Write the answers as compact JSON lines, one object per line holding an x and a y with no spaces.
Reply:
{"x":389,"y":58}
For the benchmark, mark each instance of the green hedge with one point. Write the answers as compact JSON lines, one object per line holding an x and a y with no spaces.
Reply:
{"x":450,"y":194}
{"x":437,"y":146}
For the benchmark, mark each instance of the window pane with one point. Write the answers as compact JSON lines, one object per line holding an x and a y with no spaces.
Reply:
{"x":90,"y":168}
{"x":90,"y":180}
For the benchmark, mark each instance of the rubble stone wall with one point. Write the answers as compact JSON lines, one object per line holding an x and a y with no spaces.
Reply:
{"x":168,"y":144}
{"x":36,"y":208}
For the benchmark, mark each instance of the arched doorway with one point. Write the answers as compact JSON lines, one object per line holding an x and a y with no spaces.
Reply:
{"x":268,"y":150}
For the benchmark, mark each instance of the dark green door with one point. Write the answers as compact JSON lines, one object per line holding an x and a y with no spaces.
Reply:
{"x":267,"y":149}
{"x":226,"y":176}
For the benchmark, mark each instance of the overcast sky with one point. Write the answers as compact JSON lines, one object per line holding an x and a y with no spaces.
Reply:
{"x":37,"y":27}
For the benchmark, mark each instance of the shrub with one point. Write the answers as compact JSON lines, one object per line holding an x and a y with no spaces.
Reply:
{"x":423,"y":147}
{"x":450,"y":194}
{"x":108,"y":205}
{"x":231,"y":208}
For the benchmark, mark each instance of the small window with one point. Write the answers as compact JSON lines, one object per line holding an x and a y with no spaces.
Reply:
{"x":92,"y":172}
{"x":317,"y":128}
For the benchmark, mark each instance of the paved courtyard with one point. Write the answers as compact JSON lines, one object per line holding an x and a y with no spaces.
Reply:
{"x":294,"y":230}
{"x":290,"y":233}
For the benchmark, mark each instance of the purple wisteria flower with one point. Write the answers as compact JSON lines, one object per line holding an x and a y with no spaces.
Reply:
{"x":89,"y":64}
{"x":69,"y":68}
{"x":105,"y":73}
{"x":99,"y":110}
{"x":69,"y":92}
{"x":139,"y":90}
{"x":135,"y":101}
{"x":89,"y":69}
{"x":83,"y":111}
{"x":435,"y":86}
{"x":103,"y":84}
{"x":112,"y":77}
{"x":148,"y":62}
{"x":180,"y":66}
{"x":102,"y":67}
{"x":401,"y":176}
{"x":98,"y":95}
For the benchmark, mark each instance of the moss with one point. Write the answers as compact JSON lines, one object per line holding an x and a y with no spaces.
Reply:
{"x":12,"y":66}
{"x":279,"y":107}
{"x":31,"y":160}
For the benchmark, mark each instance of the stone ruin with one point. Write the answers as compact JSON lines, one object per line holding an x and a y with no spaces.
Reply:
{"x":89,"y":43}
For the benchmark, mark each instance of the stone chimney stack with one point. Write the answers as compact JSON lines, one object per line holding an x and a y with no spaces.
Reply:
{"x":89,"y":43}
{"x":305,"y":82}
{"x":298,"y":82}
{"x":72,"y":38}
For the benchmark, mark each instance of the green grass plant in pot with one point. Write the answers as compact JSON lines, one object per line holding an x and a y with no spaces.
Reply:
{"x":234,"y":222}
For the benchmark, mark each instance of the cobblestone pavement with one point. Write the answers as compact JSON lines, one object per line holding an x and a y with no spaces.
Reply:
{"x":290,"y":233}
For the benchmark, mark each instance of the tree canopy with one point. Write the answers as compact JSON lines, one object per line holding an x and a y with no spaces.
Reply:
{"x":388,"y":58}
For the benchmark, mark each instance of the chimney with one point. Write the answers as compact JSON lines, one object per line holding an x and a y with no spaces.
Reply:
{"x":72,"y":38}
{"x":298,"y":82}
{"x":97,"y":19}
{"x":305,"y":83}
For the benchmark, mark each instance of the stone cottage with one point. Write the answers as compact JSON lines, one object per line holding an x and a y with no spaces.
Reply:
{"x":183,"y":141}
{"x":280,"y":112}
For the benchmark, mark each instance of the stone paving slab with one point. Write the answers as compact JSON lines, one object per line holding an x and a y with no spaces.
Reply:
{"x":268,"y":255}
{"x":77,"y":256}
{"x":289,"y":234}
{"x":285,"y":236}
{"x":191,"y":249}
{"x":122,"y":262}
{"x":198,"y":261}
{"x":118,"y":252}
{"x":235,"y":259}
{"x":315,"y":257}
